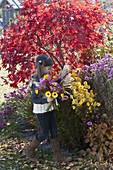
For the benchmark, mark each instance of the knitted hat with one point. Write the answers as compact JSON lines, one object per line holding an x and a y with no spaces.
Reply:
{"x":44,"y":59}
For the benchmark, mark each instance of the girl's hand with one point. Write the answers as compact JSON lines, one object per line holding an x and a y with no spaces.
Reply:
{"x":50,"y":99}
{"x":65,"y":98}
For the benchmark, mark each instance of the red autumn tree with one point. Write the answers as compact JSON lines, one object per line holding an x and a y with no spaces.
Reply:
{"x":61,"y":29}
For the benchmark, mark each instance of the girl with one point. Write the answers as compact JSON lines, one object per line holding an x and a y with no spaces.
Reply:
{"x":46,"y":119}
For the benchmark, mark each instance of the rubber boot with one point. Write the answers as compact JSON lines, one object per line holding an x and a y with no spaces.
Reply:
{"x":30,"y":150}
{"x":57,"y":155}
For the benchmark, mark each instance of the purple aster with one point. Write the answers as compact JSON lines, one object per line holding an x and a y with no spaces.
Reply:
{"x":87,"y":78}
{"x":2,"y":123}
{"x":1,"y":112}
{"x":89,"y":123}
{"x":97,"y":116}
{"x":85,"y":67}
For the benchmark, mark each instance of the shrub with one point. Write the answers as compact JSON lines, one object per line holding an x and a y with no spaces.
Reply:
{"x":17,"y":107}
{"x":100,"y":133}
{"x":77,"y":113}
{"x":70,"y":127}
{"x":100,"y":76}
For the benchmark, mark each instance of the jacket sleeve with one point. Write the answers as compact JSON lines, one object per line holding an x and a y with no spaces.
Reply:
{"x":59,"y":99}
{"x":36,"y":98}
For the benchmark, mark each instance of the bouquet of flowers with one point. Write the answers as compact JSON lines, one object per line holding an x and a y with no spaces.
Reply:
{"x":54,"y":86}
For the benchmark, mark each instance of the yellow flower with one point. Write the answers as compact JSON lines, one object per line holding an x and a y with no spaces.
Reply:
{"x":95,"y":103}
{"x":77,"y":69}
{"x":71,"y":96}
{"x":78,"y":84}
{"x":54,"y":95}
{"x":74,"y":74}
{"x":75,"y":93}
{"x":85,"y":83}
{"x":78,"y":79}
{"x":91,"y":93}
{"x":86,"y":91}
{"x":73,"y":101}
{"x":76,"y":101}
{"x":89,"y":108}
{"x":82,"y":101}
{"x":36,"y":91}
{"x":98,"y":104}
{"x":90,"y":99}
{"x":73,"y":84}
{"x":88,"y":104}
{"x":48,"y":94}
{"x":54,"y":77}
{"x":81,"y":96}
{"x":87,"y":86}
{"x":80,"y":88}
{"x":46,"y":76}
{"x":62,"y":95}
{"x":87,"y":95}
{"x":54,"y":83}
{"x":73,"y":107}
{"x":82,"y":92}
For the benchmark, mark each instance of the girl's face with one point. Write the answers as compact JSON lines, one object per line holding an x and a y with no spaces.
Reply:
{"x":46,"y":70}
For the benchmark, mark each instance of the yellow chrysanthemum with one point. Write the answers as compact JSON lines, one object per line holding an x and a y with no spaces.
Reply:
{"x":98,"y":104}
{"x":80,"y":88}
{"x":88,"y":103}
{"x":87,"y":95}
{"x":73,"y":84}
{"x":71,"y":96}
{"x":36,"y":91}
{"x":77,"y":84}
{"x":78,"y":79}
{"x":74,"y":74}
{"x":87,"y":86}
{"x":95,"y":103}
{"x":73,"y":102}
{"x":48,"y":94}
{"x":75,"y":93}
{"x":62,"y":95}
{"x":46,"y":76}
{"x":54,"y":95}
{"x":76,"y":101}
{"x":86,"y":91}
{"x":81,"y":96}
{"x":89,"y":108}
{"x":82,"y":101}
{"x":73,"y":107}
{"x":90,"y":99}
{"x":85,"y":83}
{"x":92,"y":94}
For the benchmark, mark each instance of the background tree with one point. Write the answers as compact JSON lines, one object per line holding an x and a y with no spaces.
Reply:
{"x":67,"y":31}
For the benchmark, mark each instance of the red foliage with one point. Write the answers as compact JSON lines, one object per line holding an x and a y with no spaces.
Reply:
{"x":60,"y":29}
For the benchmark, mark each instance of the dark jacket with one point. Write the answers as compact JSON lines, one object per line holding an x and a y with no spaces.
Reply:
{"x":36,"y":98}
